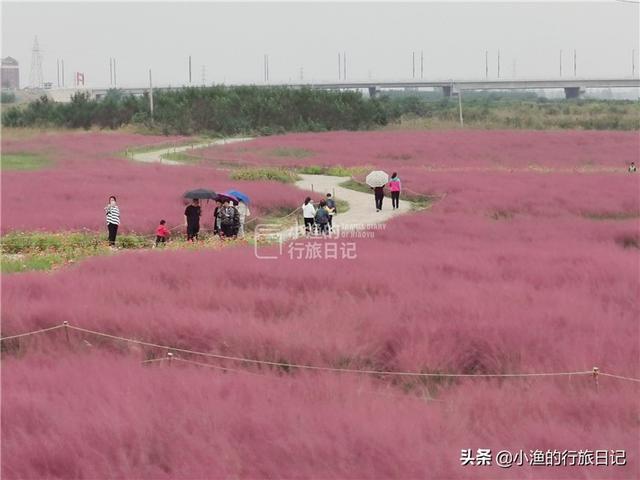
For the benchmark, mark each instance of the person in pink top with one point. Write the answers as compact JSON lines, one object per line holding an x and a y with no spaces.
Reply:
{"x":395,"y":186}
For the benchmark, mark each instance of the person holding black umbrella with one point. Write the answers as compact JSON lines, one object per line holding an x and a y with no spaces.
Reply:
{"x":192,"y":220}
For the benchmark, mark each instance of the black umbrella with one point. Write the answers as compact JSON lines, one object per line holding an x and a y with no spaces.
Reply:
{"x":200,"y":194}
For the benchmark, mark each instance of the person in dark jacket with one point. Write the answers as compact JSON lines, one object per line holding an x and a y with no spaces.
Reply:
{"x":378,"y":193}
{"x":229,"y":219}
{"x":331,"y":208}
{"x":216,"y":219}
{"x":322,"y":218}
{"x":192,"y":220}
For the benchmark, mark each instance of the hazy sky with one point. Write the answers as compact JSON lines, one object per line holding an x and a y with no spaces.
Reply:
{"x":230,"y":39}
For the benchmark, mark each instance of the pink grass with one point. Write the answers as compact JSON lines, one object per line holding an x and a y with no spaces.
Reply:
{"x":509,"y":272}
{"x":469,"y":149}
{"x":114,"y":418}
{"x":71,"y":194}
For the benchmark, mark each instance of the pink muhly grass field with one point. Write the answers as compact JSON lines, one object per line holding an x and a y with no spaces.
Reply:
{"x":467,"y":149}
{"x":72,"y":193}
{"x":508,"y":272}
{"x":99,"y":415}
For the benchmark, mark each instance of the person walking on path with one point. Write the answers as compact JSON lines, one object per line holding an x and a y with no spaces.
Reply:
{"x":633,"y":168}
{"x":322,"y":218}
{"x":395,"y":187}
{"x":244,"y":212}
{"x":113,"y":220}
{"x":378,"y":193}
{"x":162,"y":232}
{"x":192,"y":220}
{"x":309,"y":214}
{"x":331,"y":208}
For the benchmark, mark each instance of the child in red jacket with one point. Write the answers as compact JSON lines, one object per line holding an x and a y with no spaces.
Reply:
{"x":162,"y":232}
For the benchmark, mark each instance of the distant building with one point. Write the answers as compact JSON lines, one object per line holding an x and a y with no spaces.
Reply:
{"x":10,"y":73}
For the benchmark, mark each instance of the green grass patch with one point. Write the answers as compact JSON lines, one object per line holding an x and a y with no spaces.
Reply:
{"x":23,"y":161}
{"x":25,"y":263}
{"x":356,"y":185}
{"x":181,"y":157}
{"x":43,"y":251}
{"x":501,"y":215}
{"x":611,"y":215}
{"x":341,"y":206}
{"x":336,"y":170}
{"x":265,"y":173}
{"x":290,"y":152}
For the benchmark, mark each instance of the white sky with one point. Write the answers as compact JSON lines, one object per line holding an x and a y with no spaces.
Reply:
{"x":230,"y":39}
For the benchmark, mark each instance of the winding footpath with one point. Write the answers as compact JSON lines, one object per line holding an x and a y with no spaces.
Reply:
{"x":361,"y":211}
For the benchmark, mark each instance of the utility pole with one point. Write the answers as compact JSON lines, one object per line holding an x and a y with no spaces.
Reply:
{"x":460,"y":107}
{"x":301,"y":74}
{"x":633,"y":63}
{"x":339,"y":68}
{"x":560,"y":62}
{"x":115,"y":70}
{"x":344,"y":61}
{"x":266,"y":68}
{"x":421,"y":64}
{"x":58,"y":72}
{"x":486,"y":64}
{"x":189,"y":69}
{"x":150,"y":95}
{"x":413,"y":64}
{"x":498,"y":63}
{"x":575,"y":64}
{"x":204,"y":75}
{"x":62,"y":75}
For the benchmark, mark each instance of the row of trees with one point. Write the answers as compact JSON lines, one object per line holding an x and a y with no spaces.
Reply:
{"x":219,"y":109}
{"x":261,"y":110}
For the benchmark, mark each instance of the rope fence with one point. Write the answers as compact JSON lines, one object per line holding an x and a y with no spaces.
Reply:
{"x":595,"y":372}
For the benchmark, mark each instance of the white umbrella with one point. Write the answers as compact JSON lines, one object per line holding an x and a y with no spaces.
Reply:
{"x":377,"y":178}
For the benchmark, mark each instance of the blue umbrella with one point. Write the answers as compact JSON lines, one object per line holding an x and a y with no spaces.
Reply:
{"x":243,"y":197}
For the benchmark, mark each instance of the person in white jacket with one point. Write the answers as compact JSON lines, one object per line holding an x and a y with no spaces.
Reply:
{"x":309,"y":213}
{"x":243,"y":210}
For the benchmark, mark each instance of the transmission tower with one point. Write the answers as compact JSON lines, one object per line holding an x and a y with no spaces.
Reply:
{"x":35,"y":77}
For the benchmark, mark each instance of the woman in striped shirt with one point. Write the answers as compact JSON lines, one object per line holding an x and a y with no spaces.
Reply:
{"x":113,"y":220}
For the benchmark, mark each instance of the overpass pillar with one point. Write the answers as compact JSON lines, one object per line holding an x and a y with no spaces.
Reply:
{"x":572,"y":92}
{"x":446,"y":90}
{"x":372,"y":92}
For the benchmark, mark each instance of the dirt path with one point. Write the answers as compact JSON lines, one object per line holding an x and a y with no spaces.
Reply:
{"x":155,"y":156}
{"x":361,"y":212}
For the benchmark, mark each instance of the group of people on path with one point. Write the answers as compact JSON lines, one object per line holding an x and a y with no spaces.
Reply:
{"x":228,"y":220}
{"x":319,"y":220}
{"x":395,"y":186}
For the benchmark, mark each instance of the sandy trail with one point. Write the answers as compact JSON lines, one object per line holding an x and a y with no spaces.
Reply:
{"x":361,"y":212}
{"x":362,"y":209}
{"x":155,"y":156}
